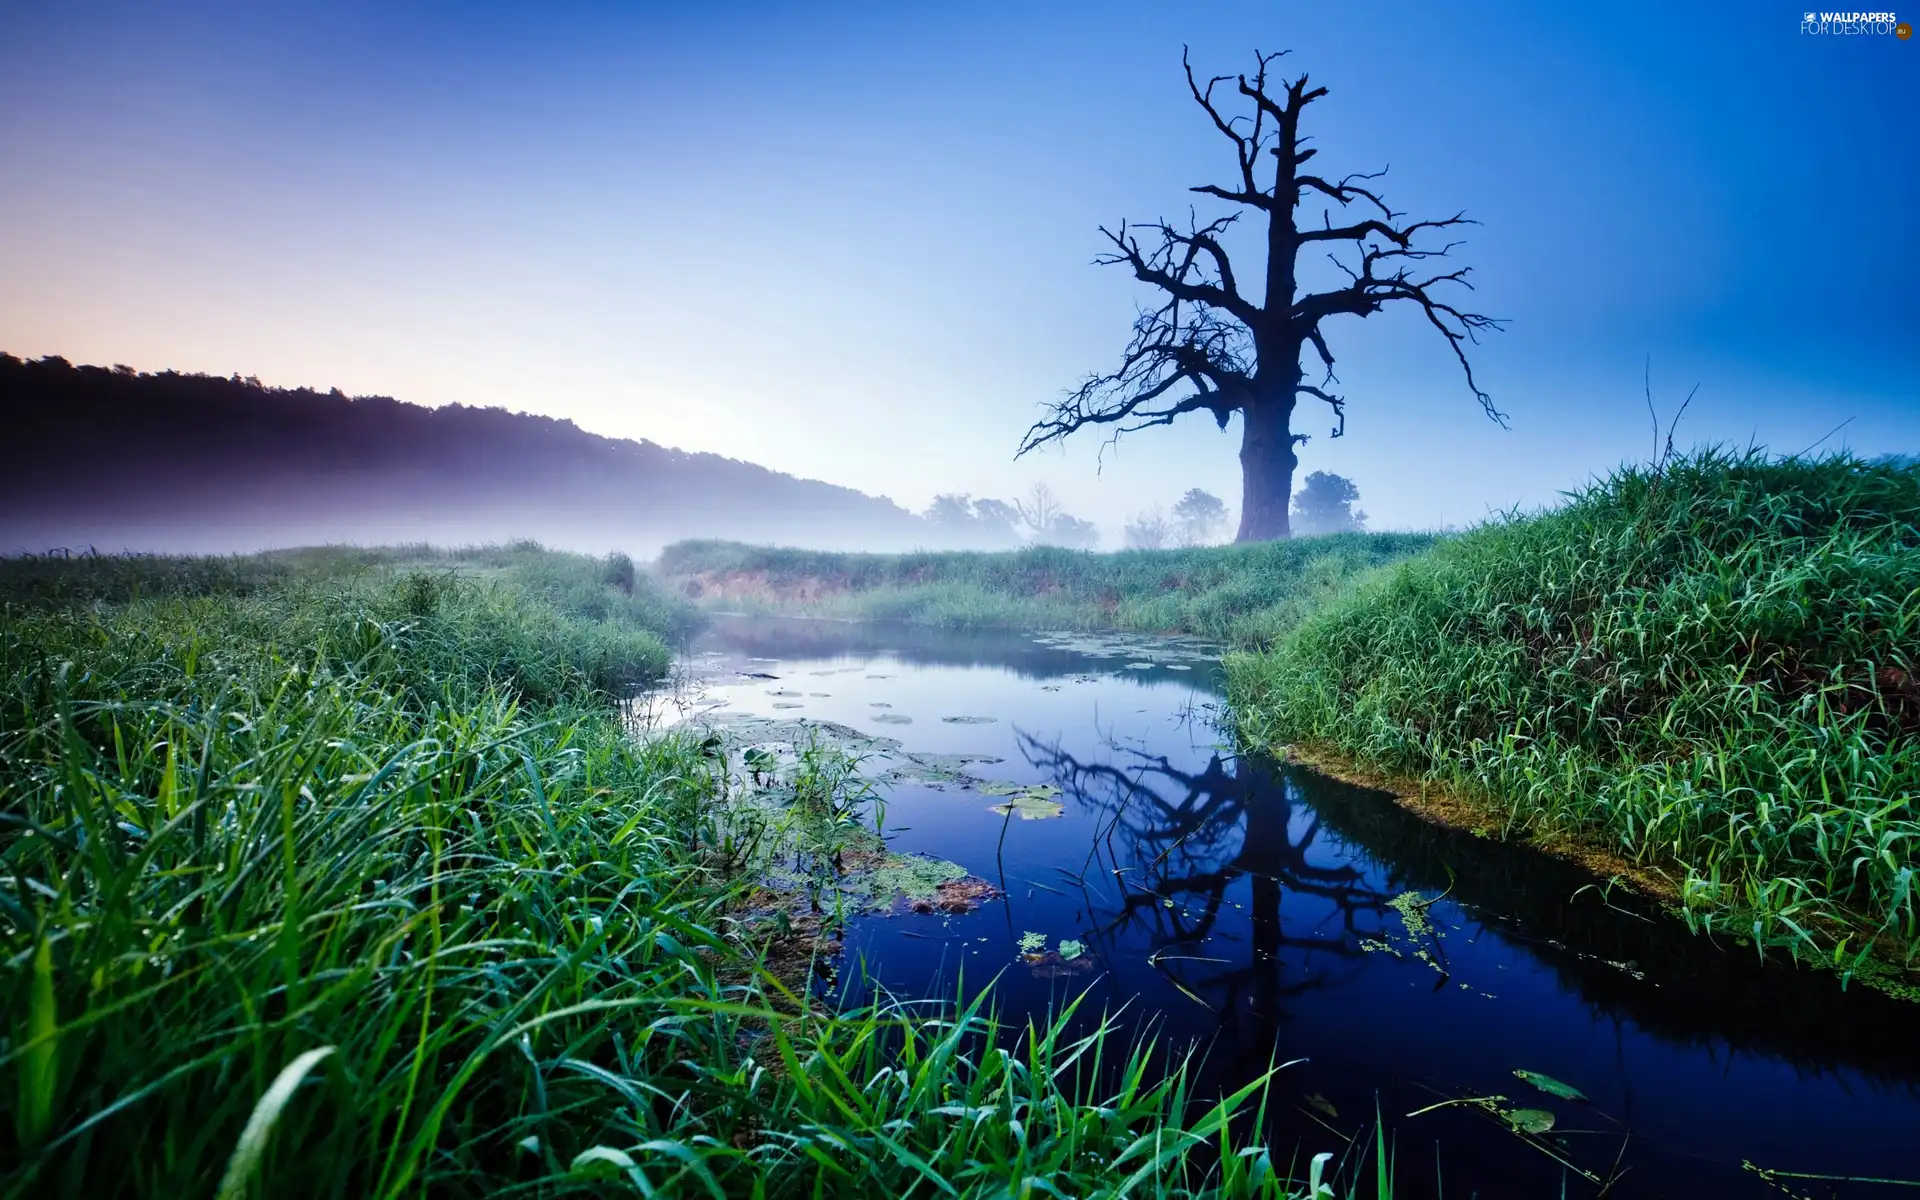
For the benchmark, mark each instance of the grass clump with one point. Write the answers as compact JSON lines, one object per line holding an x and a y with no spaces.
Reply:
{"x":351,"y":882}
{"x":1246,"y":595}
{"x":1707,"y":667}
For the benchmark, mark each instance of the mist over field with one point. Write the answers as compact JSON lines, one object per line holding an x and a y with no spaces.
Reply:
{"x":1263,"y":600}
{"x":196,"y":464}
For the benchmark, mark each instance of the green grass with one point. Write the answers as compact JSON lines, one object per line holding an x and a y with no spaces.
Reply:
{"x":336,"y":874}
{"x":1246,"y":595}
{"x":1708,"y":668}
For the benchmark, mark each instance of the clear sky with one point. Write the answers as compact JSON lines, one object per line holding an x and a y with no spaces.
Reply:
{"x":853,"y":241}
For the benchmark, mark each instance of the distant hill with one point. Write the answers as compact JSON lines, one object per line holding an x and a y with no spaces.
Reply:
{"x":118,"y":460}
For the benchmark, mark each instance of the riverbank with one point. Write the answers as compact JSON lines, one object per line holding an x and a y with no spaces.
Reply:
{"x":1238,"y":595}
{"x":1698,"y":678}
{"x":1705,"y":670}
{"x":338,"y":872}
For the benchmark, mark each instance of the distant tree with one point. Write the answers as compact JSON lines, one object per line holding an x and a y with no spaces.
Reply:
{"x":981,"y":522}
{"x":998,"y":518}
{"x":1199,"y":516}
{"x":1229,"y":342}
{"x":1072,"y":532}
{"x":1039,"y":509}
{"x":1325,"y":505}
{"x":1149,"y":530}
{"x":1049,"y":524}
{"x":951,"y":510}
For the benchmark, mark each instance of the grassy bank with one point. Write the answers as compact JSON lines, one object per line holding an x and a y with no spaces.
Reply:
{"x":1245,"y":595}
{"x":1709,"y":669}
{"x":336,"y":874}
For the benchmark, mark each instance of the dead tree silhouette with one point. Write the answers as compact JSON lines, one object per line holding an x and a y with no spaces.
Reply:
{"x":1229,"y":344}
{"x":1190,"y":835}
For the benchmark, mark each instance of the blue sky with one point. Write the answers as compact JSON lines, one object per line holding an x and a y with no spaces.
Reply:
{"x":853,"y":241}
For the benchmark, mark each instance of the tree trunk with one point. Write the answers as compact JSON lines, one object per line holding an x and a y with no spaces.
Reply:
{"x":1266,"y":468}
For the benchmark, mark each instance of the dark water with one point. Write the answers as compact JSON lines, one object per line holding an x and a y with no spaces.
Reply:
{"x":1250,"y":914}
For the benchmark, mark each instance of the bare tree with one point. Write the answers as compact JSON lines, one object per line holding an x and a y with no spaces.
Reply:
{"x":1209,"y":347}
{"x":1149,"y":530}
{"x":1040,"y":510}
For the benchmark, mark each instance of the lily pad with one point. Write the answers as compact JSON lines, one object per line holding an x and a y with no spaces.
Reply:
{"x":968,"y":720}
{"x":781,"y":692}
{"x":1529,"y":1120}
{"x":1000,"y":787}
{"x":1140,"y":666}
{"x":887,"y":718}
{"x":1071,"y":949}
{"x":1551,"y":1086}
{"x":1036,"y":803}
{"x":789,"y":704}
{"x":879,"y":704}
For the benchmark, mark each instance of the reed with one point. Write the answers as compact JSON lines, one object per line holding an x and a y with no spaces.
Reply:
{"x":348,"y":880}
{"x":1243,"y":595}
{"x":1708,"y":667}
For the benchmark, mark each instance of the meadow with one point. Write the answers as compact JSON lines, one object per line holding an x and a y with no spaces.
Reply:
{"x":1706,"y":667}
{"x":1241,"y":595}
{"x":339,"y":873}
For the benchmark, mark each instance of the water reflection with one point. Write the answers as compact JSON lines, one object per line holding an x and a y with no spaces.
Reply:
{"x":1176,"y":840}
{"x":1249,"y":906}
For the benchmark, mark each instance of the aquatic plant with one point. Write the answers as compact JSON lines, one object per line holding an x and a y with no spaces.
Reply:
{"x":310,"y":892}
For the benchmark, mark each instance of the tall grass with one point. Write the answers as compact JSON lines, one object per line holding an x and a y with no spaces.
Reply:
{"x":1246,"y":595}
{"x":1709,"y":667}
{"x":354,"y":885}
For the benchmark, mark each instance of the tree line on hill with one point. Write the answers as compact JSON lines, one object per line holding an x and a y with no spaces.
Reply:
{"x":119,"y":459}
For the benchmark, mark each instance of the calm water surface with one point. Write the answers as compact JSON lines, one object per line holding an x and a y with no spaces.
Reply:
{"x":1246,"y":908}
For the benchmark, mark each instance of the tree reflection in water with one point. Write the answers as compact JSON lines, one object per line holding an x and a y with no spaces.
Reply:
{"x":1174,"y":841}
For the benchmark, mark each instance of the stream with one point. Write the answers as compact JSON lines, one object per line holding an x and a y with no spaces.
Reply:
{"x":1261,"y":912}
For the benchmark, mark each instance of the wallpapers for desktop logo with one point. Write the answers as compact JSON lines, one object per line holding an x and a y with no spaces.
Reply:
{"x":1855,"y":23}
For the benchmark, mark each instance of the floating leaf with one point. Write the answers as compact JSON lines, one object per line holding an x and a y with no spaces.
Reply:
{"x":888,"y":718}
{"x":1032,"y":943}
{"x":968,"y":720}
{"x":1071,"y":949}
{"x":1551,"y":1086}
{"x":1000,"y":787}
{"x":1140,"y":666}
{"x":1529,"y":1120}
{"x":1323,"y":1104}
{"x":1032,"y":804}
